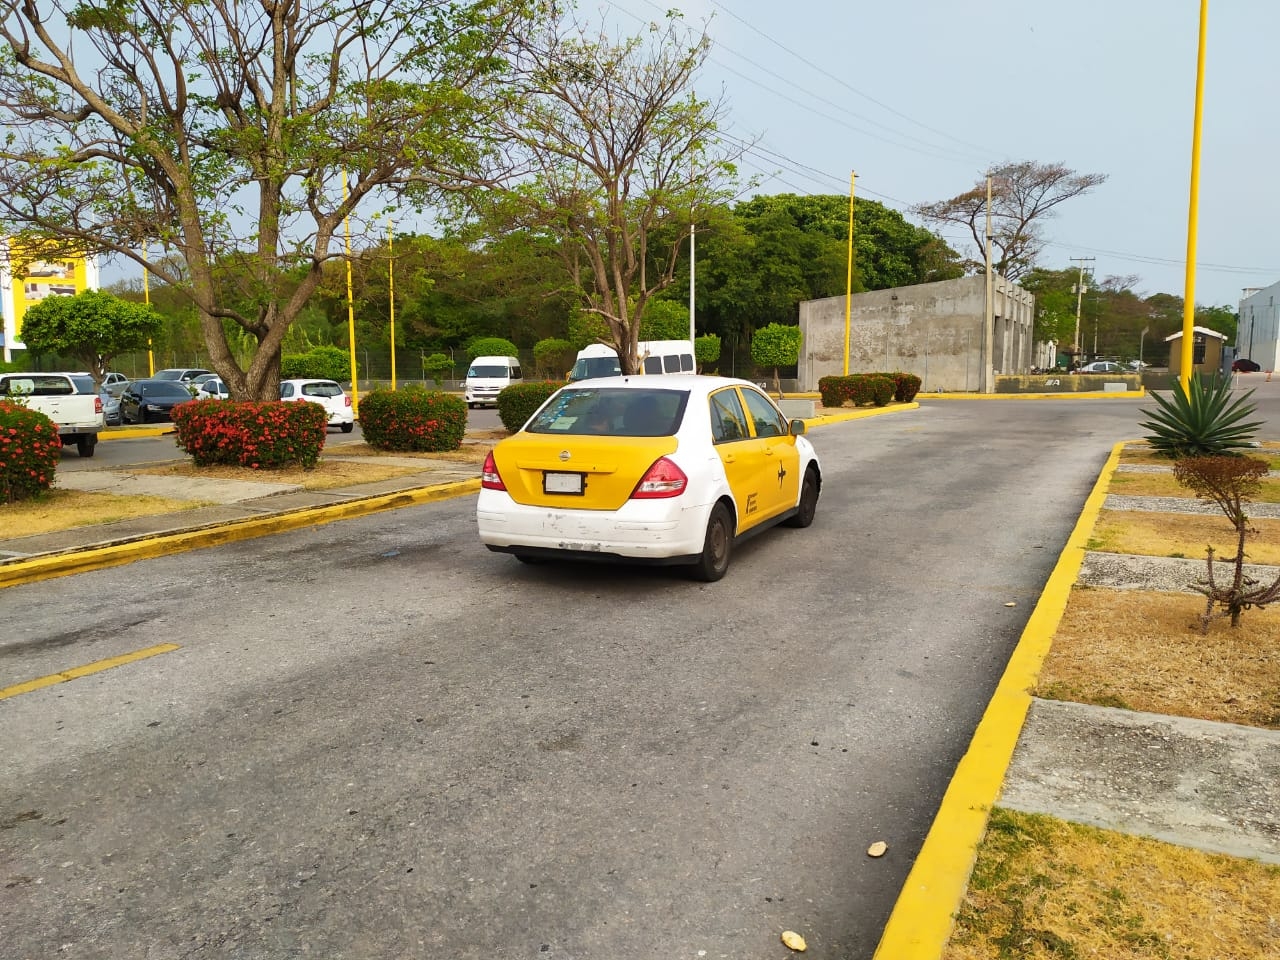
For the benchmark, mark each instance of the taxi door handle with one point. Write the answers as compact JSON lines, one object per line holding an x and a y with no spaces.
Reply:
{"x":768,"y":451}
{"x":729,"y":458}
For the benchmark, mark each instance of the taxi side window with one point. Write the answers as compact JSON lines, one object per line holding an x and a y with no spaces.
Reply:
{"x":768,"y":422}
{"x":727,"y":422}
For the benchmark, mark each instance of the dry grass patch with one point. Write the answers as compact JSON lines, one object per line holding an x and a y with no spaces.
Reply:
{"x":1164,"y":485}
{"x":1143,"y":650}
{"x":473,"y":449}
{"x":1043,"y":888}
{"x":326,"y":475}
{"x":64,"y":509}
{"x":1141,"y":453}
{"x":1182,"y":535}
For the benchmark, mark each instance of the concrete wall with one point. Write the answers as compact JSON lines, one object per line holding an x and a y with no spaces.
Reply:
{"x":933,"y":330}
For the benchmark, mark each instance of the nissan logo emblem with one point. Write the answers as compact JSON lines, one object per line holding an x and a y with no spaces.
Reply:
{"x":564,"y":455}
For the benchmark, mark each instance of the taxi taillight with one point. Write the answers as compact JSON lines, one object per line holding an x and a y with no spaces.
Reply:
{"x":346,"y":399}
{"x":490,"y":479}
{"x":663,"y":479}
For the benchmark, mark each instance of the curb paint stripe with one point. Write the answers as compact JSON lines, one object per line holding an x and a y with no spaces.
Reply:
{"x":920,"y":923}
{"x":87,"y":670}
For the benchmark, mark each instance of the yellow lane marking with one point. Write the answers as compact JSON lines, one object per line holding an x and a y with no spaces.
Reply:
{"x":921,"y":921}
{"x":89,"y":668}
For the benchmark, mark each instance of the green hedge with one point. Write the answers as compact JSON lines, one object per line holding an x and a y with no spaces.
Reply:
{"x":260,"y":435}
{"x":517,"y":403}
{"x":29,"y":451}
{"x":412,"y":419}
{"x":318,"y":363}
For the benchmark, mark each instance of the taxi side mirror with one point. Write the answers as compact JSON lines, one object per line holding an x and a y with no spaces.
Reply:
{"x":797,"y":428}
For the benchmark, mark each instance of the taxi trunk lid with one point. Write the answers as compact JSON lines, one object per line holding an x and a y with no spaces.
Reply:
{"x":576,"y":472}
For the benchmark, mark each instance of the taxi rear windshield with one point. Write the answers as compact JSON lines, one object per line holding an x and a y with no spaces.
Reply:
{"x":611,"y":412}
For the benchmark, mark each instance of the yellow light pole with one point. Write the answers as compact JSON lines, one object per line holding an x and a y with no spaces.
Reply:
{"x":848,"y":289}
{"x":351,"y":310}
{"x":146,"y":298}
{"x":391,"y":294}
{"x":1189,"y":292}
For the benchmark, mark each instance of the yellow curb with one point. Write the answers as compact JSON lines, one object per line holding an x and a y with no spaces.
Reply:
{"x":822,"y":419}
{"x":1082,"y":395}
{"x":922,"y":918}
{"x":39,"y":683}
{"x":134,"y":433}
{"x":141,"y":548}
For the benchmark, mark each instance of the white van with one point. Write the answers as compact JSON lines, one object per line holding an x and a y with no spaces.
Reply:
{"x":489,"y":376}
{"x":656,"y":356}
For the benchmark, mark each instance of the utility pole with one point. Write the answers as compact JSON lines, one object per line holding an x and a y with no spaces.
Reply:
{"x":1079,"y":296}
{"x":988,"y":311}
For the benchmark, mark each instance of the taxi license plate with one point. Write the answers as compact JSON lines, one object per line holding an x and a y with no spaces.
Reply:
{"x":567,"y":483}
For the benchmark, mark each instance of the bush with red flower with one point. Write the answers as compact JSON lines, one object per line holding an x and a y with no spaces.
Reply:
{"x":413,"y":419}
{"x":29,"y":451}
{"x":255,"y":434}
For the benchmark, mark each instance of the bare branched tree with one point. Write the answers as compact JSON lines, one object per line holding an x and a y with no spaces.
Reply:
{"x":1023,"y":195}
{"x":218,"y":133}
{"x":618,"y":153}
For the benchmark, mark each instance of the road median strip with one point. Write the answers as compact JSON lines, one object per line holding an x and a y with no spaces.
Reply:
{"x":81,"y":560}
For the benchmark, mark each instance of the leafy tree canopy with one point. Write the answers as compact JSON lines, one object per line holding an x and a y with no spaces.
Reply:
{"x":92,"y":326}
{"x":240,"y":138}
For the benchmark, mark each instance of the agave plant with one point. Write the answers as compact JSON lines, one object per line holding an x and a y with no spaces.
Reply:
{"x":1206,"y":420}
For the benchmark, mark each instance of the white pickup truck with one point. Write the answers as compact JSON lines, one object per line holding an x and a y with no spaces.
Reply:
{"x":77,"y":415}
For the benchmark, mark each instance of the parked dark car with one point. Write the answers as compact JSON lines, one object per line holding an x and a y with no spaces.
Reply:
{"x":1245,"y":365}
{"x":144,"y":401}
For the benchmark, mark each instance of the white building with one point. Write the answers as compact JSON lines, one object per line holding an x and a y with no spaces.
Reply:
{"x":1258,"y":332}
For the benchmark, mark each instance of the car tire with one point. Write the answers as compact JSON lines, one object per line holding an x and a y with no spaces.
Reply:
{"x":471,"y":406}
{"x":717,"y":546}
{"x":348,"y":427}
{"x":527,"y":558}
{"x":808,"y":505}
{"x":85,"y":446}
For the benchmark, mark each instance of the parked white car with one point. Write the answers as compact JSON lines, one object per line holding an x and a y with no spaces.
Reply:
{"x":213,"y":389}
{"x":328,"y":393}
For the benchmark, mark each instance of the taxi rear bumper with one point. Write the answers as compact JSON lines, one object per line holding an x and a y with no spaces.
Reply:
{"x":670,"y":530}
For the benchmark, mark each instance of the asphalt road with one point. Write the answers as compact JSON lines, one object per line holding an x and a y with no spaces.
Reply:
{"x":379,"y":740}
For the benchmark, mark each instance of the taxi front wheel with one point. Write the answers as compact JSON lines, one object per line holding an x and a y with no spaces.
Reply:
{"x":808,"y":501}
{"x":716,"y":546}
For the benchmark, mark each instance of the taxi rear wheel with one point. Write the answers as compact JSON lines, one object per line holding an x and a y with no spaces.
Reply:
{"x":716,"y":546}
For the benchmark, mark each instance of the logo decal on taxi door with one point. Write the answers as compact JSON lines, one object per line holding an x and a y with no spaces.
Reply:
{"x":752,"y":506}
{"x":782,"y":472}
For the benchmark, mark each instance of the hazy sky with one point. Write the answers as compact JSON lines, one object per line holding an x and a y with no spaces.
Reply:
{"x":920,"y":97}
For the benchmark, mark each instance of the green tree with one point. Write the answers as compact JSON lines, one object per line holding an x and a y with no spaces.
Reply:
{"x":706,"y":349}
{"x":623,"y":153}
{"x":553,"y":357}
{"x":223,"y":134}
{"x":665,"y":320}
{"x":777,"y":345}
{"x":92,"y":326}
{"x":490,"y":347}
{"x":1023,"y":195}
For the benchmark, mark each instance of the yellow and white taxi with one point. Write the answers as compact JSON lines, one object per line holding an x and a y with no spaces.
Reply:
{"x":664,"y":469}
